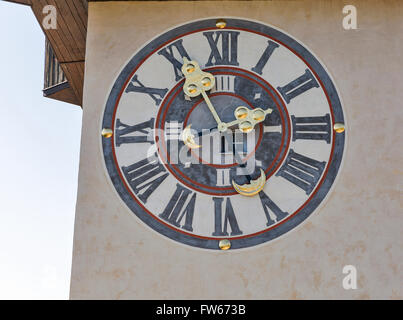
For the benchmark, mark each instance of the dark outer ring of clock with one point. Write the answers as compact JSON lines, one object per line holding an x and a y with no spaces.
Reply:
{"x":267,"y":234}
{"x":226,"y":191}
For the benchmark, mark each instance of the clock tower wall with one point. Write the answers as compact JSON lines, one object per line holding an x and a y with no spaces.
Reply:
{"x":117,"y":256}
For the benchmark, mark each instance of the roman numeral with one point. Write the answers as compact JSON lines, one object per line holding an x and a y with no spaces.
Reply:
{"x":173,"y":130}
{"x":144,"y":176}
{"x":172,"y":212}
{"x":273,"y":128}
{"x":311,"y":128}
{"x":122,"y":130}
{"x":265,"y":57}
{"x":223,"y":177}
{"x":275,"y":211}
{"x":298,"y":86}
{"x":152,"y":92}
{"x":302,"y":171}
{"x":229,"y":48}
{"x":168,"y":53}
{"x":225,"y":83}
{"x":229,"y":219}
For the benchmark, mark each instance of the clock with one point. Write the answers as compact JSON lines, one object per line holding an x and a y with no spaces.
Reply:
{"x":223,"y":134}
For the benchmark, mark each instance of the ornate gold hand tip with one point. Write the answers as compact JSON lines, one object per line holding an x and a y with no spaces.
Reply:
{"x":188,"y":138}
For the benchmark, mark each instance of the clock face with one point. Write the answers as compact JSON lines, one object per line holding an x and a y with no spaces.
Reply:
{"x":223,"y":137}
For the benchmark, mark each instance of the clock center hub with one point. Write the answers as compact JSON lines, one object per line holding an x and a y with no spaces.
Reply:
{"x":222,"y":141}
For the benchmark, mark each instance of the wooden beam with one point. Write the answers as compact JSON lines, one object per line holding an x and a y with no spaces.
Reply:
{"x":61,"y":92}
{"x":74,"y":72}
{"x":68,"y":39}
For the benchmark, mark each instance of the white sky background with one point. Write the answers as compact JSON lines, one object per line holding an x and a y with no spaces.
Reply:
{"x":39,"y":147}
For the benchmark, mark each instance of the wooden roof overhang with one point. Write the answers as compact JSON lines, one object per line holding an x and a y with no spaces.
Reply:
{"x":67,"y":42}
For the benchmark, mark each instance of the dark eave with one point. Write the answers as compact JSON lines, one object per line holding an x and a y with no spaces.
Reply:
{"x":67,"y":42}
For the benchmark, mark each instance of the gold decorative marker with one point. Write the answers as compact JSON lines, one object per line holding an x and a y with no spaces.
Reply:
{"x":106,"y":133}
{"x":221,"y":24}
{"x":224,"y":244}
{"x":252,"y":188}
{"x":338,"y":127}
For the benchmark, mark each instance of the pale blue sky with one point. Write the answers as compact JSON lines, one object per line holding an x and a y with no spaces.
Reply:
{"x":39,"y":143}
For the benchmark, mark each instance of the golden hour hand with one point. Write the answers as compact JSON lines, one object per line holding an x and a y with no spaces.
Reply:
{"x":198,"y":82}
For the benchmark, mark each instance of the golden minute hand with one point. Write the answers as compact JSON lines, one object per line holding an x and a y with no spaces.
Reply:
{"x":211,"y":107}
{"x":198,"y":82}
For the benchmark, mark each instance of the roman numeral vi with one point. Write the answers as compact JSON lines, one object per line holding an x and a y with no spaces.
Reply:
{"x":229,"y":219}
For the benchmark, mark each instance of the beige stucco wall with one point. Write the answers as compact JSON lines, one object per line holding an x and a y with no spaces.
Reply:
{"x":117,"y":257}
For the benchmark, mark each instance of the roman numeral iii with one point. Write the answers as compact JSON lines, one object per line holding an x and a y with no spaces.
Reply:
{"x":311,"y":128}
{"x":228,"y":55}
{"x":302,"y":171}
